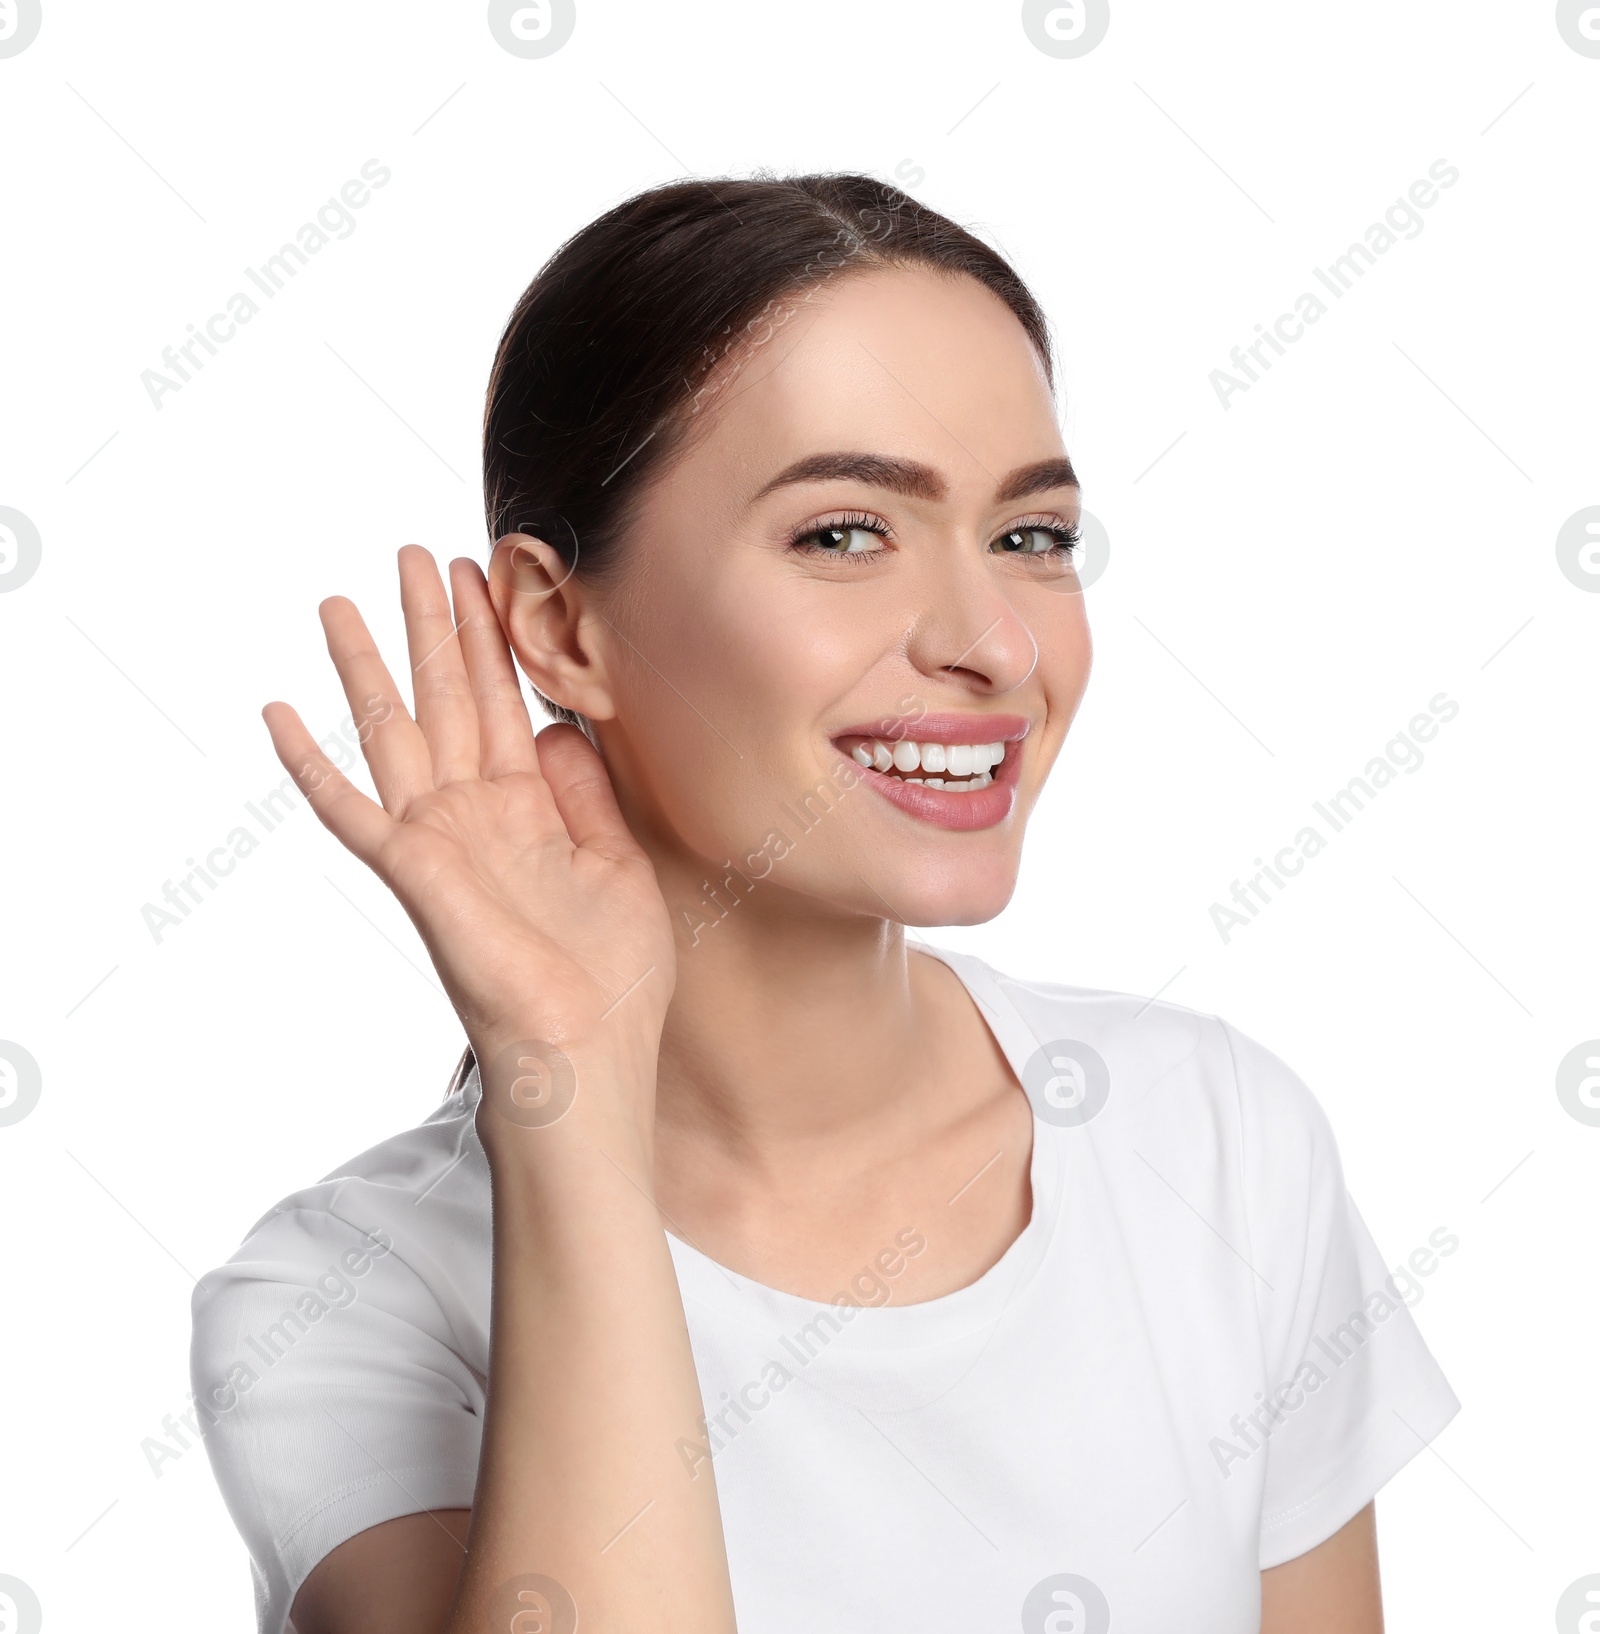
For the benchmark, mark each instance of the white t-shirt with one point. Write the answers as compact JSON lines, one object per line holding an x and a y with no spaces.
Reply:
{"x":1193,"y":1363}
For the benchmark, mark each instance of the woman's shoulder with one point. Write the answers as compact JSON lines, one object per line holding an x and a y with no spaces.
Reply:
{"x":411,"y":1214}
{"x":1135,"y":1063}
{"x":339,"y":1357}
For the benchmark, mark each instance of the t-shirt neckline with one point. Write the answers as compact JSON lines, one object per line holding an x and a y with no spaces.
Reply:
{"x":706,"y":1282}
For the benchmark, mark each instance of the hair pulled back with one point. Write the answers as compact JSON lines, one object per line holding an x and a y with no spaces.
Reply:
{"x":611,"y":353}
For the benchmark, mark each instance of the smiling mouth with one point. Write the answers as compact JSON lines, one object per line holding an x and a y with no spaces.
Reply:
{"x":963,"y":772}
{"x":957,"y":768}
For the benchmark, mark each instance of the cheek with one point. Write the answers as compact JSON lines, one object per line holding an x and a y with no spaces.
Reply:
{"x":723,"y":700}
{"x":1059,"y":621}
{"x":1070,"y":652}
{"x":1060,"y":627}
{"x":766,"y":662}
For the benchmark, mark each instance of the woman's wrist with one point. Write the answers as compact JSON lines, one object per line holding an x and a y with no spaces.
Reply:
{"x":544,"y":1104}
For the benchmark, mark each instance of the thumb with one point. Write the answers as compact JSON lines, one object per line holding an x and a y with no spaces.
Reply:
{"x":578,"y":780}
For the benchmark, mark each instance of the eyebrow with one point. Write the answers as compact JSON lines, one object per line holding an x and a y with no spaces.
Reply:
{"x":914,"y":479}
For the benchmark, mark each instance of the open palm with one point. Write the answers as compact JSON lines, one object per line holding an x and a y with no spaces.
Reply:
{"x":538,"y":907}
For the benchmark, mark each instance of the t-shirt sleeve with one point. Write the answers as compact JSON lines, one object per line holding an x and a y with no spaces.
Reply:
{"x":328,"y":1393}
{"x":1353,"y":1393}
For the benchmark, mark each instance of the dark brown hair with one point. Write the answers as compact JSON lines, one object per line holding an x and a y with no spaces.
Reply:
{"x":609,"y":355}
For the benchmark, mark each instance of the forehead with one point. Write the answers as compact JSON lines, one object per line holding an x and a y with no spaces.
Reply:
{"x":906,"y":361}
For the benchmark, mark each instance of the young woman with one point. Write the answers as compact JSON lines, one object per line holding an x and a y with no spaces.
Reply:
{"x":762,"y":1262}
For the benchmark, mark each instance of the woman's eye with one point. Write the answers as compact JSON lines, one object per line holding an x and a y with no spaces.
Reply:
{"x":846,"y":541}
{"x":1028,"y":541}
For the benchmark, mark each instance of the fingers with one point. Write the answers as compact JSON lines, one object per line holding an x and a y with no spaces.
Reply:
{"x":583,"y":794}
{"x":445,"y":709}
{"x":505,"y":734}
{"x":394,"y":746}
{"x":359,"y":824}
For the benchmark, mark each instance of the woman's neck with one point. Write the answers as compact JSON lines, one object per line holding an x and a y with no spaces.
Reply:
{"x":791,"y":1027}
{"x":824,"y":1090}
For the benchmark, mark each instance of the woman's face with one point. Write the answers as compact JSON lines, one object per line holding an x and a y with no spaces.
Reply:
{"x":853,"y":550}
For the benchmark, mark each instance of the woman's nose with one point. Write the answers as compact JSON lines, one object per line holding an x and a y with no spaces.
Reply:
{"x":970,"y":630}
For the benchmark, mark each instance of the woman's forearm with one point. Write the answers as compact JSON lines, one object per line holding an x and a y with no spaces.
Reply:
{"x":545,"y":920}
{"x":592,"y":1385}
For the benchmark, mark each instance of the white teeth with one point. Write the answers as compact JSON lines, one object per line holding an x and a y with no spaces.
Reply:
{"x":952,"y":785}
{"x":955,"y":766}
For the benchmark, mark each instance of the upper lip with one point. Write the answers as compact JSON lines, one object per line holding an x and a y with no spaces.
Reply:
{"x":940,"y":728}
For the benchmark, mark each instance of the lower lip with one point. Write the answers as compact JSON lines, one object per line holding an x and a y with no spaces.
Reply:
{"x":978,"y":808}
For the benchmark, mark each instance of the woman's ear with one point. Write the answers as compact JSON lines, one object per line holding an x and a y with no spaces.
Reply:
{"x":551,"y":631}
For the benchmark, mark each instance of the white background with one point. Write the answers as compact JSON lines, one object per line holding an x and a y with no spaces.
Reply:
{"x":1291,"y":579}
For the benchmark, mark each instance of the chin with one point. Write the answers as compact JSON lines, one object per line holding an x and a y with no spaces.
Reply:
{"x":950,"y":892}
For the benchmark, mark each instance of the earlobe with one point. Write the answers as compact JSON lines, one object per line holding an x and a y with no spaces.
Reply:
{"x":542,"y":611}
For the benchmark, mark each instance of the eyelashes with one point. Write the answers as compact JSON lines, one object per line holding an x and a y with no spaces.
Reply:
{"x":1065,"y":537}
{"x":823,"y":538}
{"x":832,"y":537}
